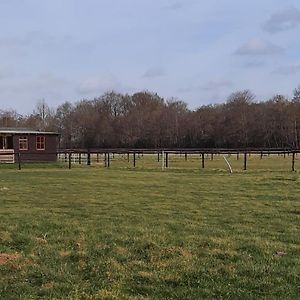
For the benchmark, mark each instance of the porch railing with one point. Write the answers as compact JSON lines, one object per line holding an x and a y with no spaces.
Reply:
{"x":7,"y":156}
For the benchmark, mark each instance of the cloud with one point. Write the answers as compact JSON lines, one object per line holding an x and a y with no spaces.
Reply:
{"x":24,"y":91}
{"x":283,"y":20}
{"x":153,"y":73}
{"x":6,"y":72}
{"x":97,"y":85}
{"x":174,"y":6}
{"x":287,"y":70}
{"x":44,"y":83}
{"x":256,"y":47}
{"x":216,"y":85}
{"x":254,"y":64}
{"x":210,"y":86}
{"x":33,"y":38}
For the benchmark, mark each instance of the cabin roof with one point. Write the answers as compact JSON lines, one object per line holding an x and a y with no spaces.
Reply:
{"x":25,"y":131}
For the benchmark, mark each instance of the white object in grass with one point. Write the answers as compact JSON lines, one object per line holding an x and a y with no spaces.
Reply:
{"x":228,"y":164}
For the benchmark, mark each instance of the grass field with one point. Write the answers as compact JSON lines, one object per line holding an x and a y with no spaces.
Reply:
{"x":124,"y":233}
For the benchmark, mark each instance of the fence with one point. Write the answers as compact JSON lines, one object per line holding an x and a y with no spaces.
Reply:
{"x":106,"y":157}
{"x":163,"y":155}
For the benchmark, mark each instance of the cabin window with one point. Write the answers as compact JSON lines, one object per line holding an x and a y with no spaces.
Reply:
{"x":40,"y":143}
{"x":23,"y":143}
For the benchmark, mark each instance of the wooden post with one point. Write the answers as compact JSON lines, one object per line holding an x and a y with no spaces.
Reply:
{"x":134,"y":159}
{"x":237,"y":156}
{"x":157,"y":156}
{"x":167,"y":159}
{"x":88,"y":158}
{"x":97,"y":157}
{"x":212,"y":156}
{"x":261,"y":155}
{"x":284,"y":154}
{"x":105,"y":160}
{"x":70,"y":160}
{"x":245,"y":161}
{"x":19,"y":160}
{"x":293,"y":162}
{"x":128,"y":158}
{"x":79,"y":158}
{"x":185,"y":156}
{"x":202,"y":155}
{"x":108,"y":160}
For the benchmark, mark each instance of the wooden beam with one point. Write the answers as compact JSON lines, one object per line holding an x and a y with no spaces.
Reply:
{"x":293,"y":161}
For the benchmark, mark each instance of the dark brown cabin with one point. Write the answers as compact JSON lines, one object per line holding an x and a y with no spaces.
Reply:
{"x":28,"y":145}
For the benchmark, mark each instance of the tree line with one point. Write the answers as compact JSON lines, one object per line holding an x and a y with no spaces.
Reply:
{"x":146,"y":120}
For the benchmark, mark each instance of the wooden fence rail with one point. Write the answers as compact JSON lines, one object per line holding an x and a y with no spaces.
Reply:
{"x":73,"y":156}
{"x":163,"y":154}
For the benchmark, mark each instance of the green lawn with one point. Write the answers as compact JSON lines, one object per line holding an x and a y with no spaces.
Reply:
{"x":124,"y":233}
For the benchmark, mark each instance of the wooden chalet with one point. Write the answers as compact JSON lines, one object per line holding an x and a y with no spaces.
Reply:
{"x":27,"y":145}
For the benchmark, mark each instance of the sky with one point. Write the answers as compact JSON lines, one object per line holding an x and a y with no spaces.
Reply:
{"x":196,"y":51}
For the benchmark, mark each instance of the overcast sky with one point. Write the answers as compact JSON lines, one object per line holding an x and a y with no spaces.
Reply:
{"x":195,"y":50}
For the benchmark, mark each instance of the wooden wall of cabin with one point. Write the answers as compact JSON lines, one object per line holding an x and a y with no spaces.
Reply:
{"x":34,"y":155}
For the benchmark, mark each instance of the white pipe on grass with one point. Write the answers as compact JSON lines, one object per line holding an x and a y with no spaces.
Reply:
{"x":228,"y":164}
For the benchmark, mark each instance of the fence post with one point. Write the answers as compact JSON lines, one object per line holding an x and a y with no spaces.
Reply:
{"x":89,"y":157}
{"x":185,"y":156}
{"x":212,"y":156}
{"x":157,"y":156}
{"x":134,"y":160}
{"x":79,"y":158}
{"x":245,"y":161}
{"x":293,"y":162}
{"x":167,"y":159}
{"x":19,"y":160}
{"x":70,"y":160}
{"x":108,"y":160}
{"x":202,"y":156}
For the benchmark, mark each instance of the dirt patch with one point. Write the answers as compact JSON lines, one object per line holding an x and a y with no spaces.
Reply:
{"x":280,"y":253}
{"x":41,"y":241}
{"x":101,"y":246}
{"x":48,"y":285}
{"x":121,"y":250}
{"x":186,"y":253}
{"x":64,"y":253}
{"x":8,"y":257}
{"x":105,"y":294}
{"x":77,"y":245}
{"x":179,"y":251}
{"x":5,"y":236}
